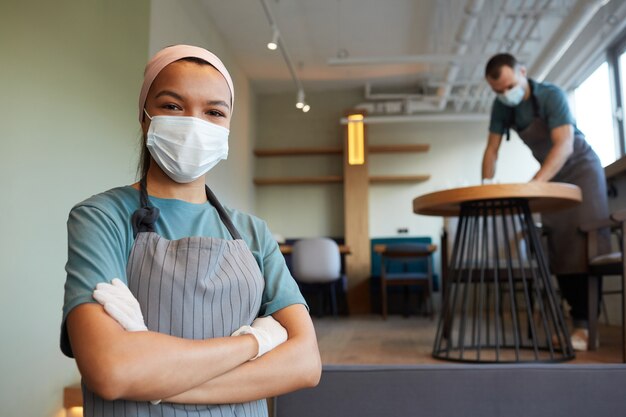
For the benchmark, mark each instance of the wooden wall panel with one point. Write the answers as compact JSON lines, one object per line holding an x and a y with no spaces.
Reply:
{"x":356,"y":220}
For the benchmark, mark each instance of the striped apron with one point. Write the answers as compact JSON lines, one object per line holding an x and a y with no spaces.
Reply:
{"x":194,"y":288}
{"x":567,"y":246}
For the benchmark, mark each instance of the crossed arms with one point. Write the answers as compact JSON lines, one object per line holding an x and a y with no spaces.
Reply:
{"x":141,"y":366}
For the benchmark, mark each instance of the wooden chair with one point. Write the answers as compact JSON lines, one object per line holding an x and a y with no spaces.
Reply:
{"x":405,"y":253}
{"x":601,"y":265}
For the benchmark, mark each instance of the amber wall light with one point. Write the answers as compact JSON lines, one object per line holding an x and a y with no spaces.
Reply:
{"x":356,"y":146}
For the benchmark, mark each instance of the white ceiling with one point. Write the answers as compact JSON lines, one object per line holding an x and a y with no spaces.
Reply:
{"x":314,"y":31}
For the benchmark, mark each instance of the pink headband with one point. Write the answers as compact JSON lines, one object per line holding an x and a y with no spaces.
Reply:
{"x":173,"y":53}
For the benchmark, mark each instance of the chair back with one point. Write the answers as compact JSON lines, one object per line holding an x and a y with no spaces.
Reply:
{"x":407,"y":250}
{"x":417,"y":265}
{"x":316,"y":260}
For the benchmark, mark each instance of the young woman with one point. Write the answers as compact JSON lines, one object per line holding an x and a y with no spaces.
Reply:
{"x":197,"y":272}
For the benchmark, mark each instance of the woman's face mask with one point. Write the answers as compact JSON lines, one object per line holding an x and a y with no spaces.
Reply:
{"x":186,"y":147}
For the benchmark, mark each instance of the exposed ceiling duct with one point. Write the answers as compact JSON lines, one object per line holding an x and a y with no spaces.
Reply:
{"x":581,"y":15}
{"x":463,"y":37}
{"x":415,"y":57}
{"x":592,"y":51}
{"x":476,"y":97}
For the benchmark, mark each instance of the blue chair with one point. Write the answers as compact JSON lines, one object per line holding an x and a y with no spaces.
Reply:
{"x":395,"y":270}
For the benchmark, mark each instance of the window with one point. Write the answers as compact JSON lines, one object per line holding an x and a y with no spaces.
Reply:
{"x":594,"y":113}
{"x":599,"y":101}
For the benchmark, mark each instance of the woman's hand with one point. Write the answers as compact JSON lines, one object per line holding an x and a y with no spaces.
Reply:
{"x":268,"y":332}
{"x":120,"y":304}
{"x":292,"y":365}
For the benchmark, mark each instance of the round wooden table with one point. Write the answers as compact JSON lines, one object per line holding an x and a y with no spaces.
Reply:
{"x":499,"y":304}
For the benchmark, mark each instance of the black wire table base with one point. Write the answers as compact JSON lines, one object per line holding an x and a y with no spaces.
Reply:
{"x":499,"y":304}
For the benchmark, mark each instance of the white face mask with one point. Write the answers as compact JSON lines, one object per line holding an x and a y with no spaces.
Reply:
{"x":186,"y":147}
{"x":512,"y":97}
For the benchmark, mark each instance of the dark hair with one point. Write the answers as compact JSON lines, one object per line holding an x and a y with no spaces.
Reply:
{"x":496,"y":62}
{"x":144,"y":155}
{"x":144,"y":158}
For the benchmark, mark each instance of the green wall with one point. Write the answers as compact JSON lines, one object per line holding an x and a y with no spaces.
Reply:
{"x":70,"y":73}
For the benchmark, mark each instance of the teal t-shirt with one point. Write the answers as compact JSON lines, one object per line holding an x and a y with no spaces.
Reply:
{"x":100,"y":239}
{"x":553,"y":109}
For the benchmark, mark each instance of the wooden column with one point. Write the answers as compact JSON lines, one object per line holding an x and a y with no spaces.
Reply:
{"x":356,"y":223}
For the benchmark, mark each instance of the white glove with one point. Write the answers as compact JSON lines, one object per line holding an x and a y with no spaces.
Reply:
{"x":267,"y":331}
{"x":487,"y":181}
{"x":120,"y":304}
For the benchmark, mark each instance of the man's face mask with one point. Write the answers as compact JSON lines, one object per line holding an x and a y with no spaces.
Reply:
{"x":513,"y":96}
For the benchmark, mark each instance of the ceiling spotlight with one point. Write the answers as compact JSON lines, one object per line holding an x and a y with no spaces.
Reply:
{"x":273,"y":44}
{"x":300,"y":99}
{"x":306,"y":108}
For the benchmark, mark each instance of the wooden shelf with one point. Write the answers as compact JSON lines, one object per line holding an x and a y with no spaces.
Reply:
{"x":398,"y":178}
{"x":298,"y":151}
{"x":417,"y":147}
{"x":339,"y":151}
{"x":330,"y":179}
{"x":334,"y":179}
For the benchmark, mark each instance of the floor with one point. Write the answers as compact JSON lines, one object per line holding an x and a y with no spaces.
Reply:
{"x":367,"y":339}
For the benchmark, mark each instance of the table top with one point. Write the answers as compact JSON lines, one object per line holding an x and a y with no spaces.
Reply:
{"x":541,"y":196}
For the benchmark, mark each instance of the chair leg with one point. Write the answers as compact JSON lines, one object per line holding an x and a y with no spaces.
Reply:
{"x":624,"y":316}
{"x":605,"y":311}
{"x":320,"y":297}
{"x":333,"y":298}
{"x":429,"y":290}
{"x":592,"y":288}
{"x":383,"y":298}
{"x":406,"y":294}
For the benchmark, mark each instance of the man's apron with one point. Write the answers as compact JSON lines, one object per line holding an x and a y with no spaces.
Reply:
{"x":194,"y":288}
{"x":567,"y":245}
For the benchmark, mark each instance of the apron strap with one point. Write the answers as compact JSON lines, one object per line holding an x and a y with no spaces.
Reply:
{"x":222,"y":213}
{"x":533,"y":100}
{"x":143,"y":218}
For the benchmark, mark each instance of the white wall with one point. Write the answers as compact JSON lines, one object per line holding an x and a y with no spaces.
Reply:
{"x":301,"y":210}
{"x":454,"y":160}
{"x":71,"y":72}
{"x":186,"y":21}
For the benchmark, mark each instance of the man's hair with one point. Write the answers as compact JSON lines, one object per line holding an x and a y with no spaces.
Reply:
{"x":496,"y":62}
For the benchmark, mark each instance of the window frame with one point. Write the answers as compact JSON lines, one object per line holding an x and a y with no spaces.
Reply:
{"x":614,"y":51}
{"x":611,"y":55}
